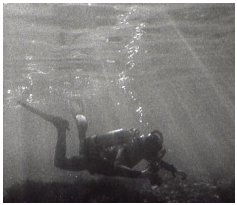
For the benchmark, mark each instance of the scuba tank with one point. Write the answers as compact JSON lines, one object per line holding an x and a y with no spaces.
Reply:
{"x":97,"y":146}
{"x":115,"y":137}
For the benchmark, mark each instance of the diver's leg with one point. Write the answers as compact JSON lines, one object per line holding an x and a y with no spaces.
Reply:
{"x":60,"y":150}
{"x":77,"y":111}
{"x":45,"y":116}
{"x":58,"y":122}
{"x":60,"y":159}
{"x":77,"y":163}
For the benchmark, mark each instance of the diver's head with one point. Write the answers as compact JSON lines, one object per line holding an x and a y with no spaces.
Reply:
{"x":82,"y":123}
{"x":153,"y":143}
{"x":156,"y":137}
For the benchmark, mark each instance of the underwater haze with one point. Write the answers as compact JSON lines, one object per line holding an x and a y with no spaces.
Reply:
{"x":169,"y":67}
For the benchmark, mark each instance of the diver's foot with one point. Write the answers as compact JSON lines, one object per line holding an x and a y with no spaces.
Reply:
{"x":58,"y":122}
{"x":77,"y":107}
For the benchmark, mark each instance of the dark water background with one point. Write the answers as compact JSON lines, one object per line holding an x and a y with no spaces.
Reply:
{"x":151,"y":66}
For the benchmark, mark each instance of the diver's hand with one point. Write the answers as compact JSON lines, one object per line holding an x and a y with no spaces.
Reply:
{"x":182,"y":174}
{"x":146,"y":173}
{"x":153,"y":177}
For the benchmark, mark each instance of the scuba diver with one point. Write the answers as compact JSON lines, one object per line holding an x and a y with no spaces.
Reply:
{"x":114,"y":153}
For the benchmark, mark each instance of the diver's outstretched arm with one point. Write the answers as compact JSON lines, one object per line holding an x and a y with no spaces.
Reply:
{"x":172,"y":169}
{"x":121,"y":170}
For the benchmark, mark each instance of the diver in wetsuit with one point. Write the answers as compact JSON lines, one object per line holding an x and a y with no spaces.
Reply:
{"x":111,"y":154}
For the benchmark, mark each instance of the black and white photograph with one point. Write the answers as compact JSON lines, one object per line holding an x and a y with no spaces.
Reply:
{"x":118,"y":102}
